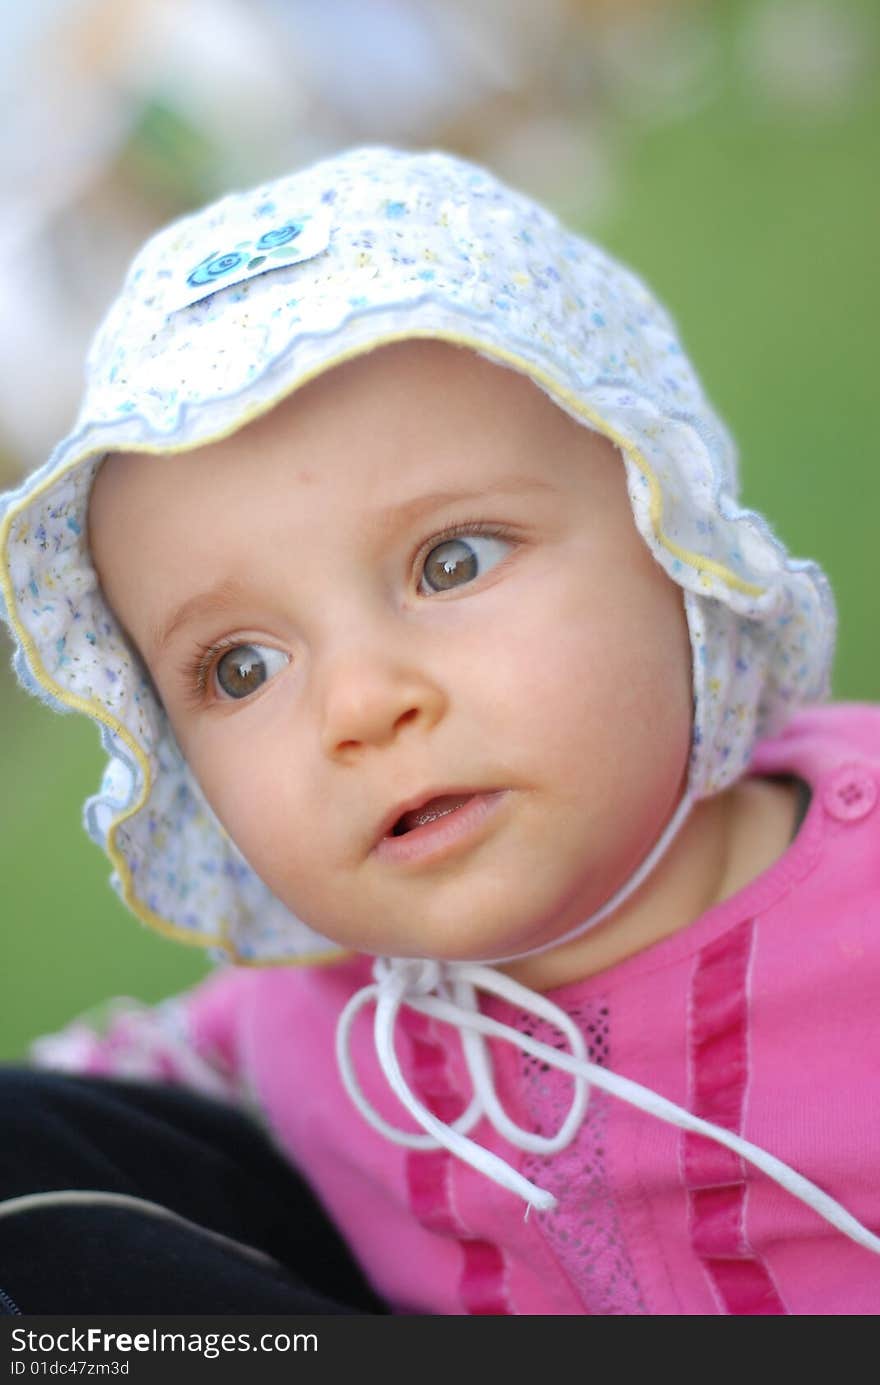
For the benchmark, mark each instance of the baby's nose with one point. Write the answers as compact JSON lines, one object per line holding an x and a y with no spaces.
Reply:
{"x":369,"y":702}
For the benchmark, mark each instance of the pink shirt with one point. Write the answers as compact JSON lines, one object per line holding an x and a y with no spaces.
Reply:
{"x":761,"y":1017}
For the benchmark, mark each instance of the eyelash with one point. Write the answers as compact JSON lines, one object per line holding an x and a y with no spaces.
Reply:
{"x":198,"y":668}
{"x":480,"y":527}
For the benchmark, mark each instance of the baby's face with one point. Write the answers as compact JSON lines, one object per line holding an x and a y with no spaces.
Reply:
{"x":423,"y":665}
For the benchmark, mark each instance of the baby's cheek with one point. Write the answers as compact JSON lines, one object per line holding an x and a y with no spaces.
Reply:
{"x":291,"y":857}
{"x":238,"y":787}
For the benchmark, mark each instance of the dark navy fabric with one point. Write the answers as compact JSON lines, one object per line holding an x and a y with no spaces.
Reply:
{"x":200,"y":1159}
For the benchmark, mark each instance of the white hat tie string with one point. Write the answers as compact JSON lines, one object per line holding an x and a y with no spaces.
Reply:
{"x":447,"y":991}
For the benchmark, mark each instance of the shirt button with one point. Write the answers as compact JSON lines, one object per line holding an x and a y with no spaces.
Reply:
{"x":850,"y":794}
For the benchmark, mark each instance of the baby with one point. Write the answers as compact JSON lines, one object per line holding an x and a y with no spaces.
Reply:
{"x":397,"y":552}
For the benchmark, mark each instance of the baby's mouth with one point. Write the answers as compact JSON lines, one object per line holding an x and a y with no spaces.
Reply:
{"x":442,"y":824}
{"x":428,"y":812}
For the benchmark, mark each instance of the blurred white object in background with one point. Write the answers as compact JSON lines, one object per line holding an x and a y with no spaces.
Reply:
{"x":121,"y":114}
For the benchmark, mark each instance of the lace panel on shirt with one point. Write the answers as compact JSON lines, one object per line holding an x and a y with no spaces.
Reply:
{"x":584,"y":1231}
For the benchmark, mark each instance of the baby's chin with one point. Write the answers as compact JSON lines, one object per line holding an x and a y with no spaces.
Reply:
{"x":450,"y":920}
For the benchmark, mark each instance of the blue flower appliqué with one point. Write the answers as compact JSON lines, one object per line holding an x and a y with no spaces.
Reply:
{"x":219,"y":266}
{"x":215,"y":267}
{"x":280,"y":235}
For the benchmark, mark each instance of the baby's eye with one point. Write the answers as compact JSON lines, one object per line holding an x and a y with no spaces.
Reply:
{"x":245,"y":667}
{"x":456,"y":561}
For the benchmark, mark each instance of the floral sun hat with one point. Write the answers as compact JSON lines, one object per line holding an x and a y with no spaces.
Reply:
{"x":227,"y":311}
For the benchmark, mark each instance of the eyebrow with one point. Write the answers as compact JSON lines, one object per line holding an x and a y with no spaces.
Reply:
{"x":413,"y":510}
{"x":224,"y":594}
{"x":214,"y":601}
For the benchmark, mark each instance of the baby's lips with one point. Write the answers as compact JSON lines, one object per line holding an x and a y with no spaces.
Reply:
{"x":424,"y":807}
{"x":429,"y":812}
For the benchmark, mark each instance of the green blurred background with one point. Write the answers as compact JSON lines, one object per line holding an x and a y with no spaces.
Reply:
{"x":751,"y":207}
